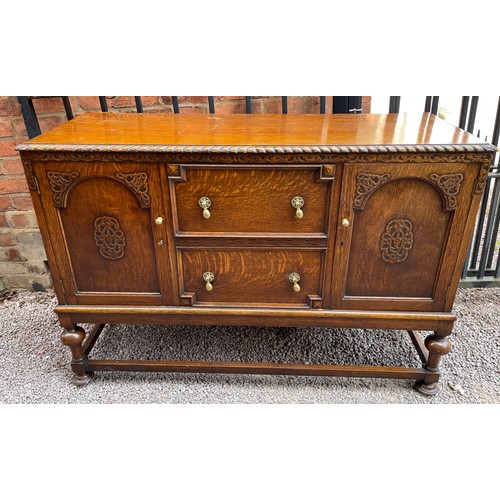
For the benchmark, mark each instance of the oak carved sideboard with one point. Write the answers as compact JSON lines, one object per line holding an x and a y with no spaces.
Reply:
{"x":358,"y":221}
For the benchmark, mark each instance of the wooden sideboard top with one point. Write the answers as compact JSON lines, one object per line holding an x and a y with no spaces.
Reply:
{"x":133,"y":132}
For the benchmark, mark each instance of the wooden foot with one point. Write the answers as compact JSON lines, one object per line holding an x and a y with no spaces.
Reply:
{"x":73,"y":338}
{"x":427,"y":389}
{"x":437,"y":345}
{"x":82,"y":379}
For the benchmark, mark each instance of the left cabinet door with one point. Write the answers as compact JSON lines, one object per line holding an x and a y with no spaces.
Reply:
{"x":109,"y":232}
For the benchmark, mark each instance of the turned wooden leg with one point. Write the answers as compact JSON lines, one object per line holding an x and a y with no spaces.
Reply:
{"x":74,"y":338}
{"x":438,"y":345}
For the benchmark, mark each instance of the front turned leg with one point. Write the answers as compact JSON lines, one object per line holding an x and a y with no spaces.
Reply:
{"x":74,"y":338}
{"x":438,"y":344}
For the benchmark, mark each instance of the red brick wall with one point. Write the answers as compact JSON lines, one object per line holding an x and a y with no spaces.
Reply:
{"x":22,"y":257}
{"x":21,"y":252}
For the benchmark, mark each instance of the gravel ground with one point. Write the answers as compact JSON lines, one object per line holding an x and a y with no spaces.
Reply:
{"x":35,"y":365}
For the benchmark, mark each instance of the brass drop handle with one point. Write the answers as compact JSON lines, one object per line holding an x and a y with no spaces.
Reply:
{"x":298,"y":203}
{"x":208,"y":277}
{"x":295,"y":278}
{"x":205,"y":203}
{"x":345,"y":222}
{"x":159,"y":220}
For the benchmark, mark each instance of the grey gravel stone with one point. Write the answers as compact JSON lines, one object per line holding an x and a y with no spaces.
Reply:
{"x":34,"y":365}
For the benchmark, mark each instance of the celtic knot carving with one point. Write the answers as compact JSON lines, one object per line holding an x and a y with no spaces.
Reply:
{"x":483,"y":177}
{"x":109,"y":238}
{"x":397,"y":240}
{"x":60,"y":182}
{"x":138,"y":182}
{"x":449,"y":184}
{"x":30,"y":176}
{"x":366,"y":184}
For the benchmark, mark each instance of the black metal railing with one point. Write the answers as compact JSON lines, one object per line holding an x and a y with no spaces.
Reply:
{"x":340,"y":104}
{"x":482,"y":267}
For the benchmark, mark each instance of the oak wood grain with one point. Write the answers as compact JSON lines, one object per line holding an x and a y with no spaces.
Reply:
{"x":254,"y":276}
{"x":389,"y":207}
{"x":258,"y":316}
{"x":87,"y":273}
{"x":243,"y":130}
{"x":256,"y":240}
{"x":364,"y":371}
{"x":407,"y":193}
{"x":251,"y":200}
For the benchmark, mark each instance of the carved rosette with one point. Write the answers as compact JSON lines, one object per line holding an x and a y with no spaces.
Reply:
{"x":173,"y":170}
{"x":60,"y":182}
{"x":315,"y":302}
{"x":366,"y":184}
{"x":109,"y":238}
{"x":397,"y":240}
{"x":138,"y":182}
{"x":188,"y":299}
{"x":176,"y":172}
{"x":328,"y":171}
{"x":449,"y":184}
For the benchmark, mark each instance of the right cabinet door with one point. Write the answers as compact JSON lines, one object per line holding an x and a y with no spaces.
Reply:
{"x":399,"y":230}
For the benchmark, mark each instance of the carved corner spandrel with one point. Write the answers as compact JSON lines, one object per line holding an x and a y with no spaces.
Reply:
{"x":449,"y":185}
{"x":61,"y":183}
{"x":366,"y":185}
{"x":138,"y":183}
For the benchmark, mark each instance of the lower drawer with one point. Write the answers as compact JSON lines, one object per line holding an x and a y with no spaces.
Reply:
{"x":260,"y":277}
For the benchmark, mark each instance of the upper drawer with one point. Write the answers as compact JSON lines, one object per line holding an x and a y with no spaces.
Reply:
{"x":246,"y":199}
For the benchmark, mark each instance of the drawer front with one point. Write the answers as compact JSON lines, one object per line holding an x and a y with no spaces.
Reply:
{"x":259,"y":277}
{"x":251,"y":200}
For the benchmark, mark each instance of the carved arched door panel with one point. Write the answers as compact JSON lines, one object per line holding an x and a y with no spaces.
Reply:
{"x":400,"y":229}
{"x":105,"y":219}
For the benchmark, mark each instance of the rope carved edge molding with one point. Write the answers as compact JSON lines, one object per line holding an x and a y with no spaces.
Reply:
{"x":273,"y":149}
